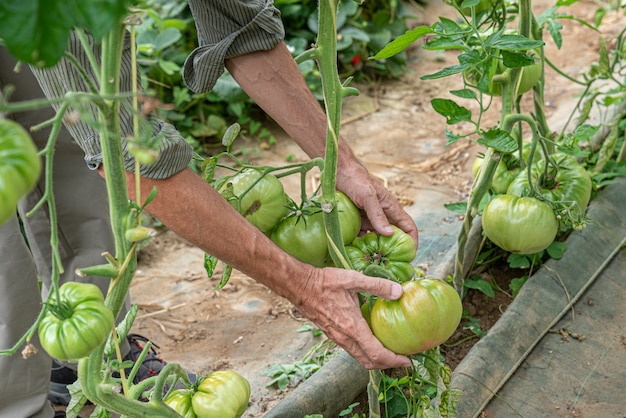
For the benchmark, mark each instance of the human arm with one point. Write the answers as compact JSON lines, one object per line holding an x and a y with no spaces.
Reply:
{"x":195,"y":211}
{"x":273,"y":80}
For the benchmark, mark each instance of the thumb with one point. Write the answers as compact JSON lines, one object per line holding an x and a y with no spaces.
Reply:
{"x":382,"y":288}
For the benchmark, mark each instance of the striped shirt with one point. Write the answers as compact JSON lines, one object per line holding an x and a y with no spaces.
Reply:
{"x":226,"y":28}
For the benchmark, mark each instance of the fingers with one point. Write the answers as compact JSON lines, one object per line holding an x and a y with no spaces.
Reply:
{"x":367,"y":350}
{"x":344,"y":323}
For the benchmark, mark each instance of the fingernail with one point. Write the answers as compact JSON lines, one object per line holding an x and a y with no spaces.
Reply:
{"x":396,"y":291}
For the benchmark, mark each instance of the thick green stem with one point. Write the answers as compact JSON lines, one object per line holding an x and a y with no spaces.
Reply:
{"x":333,"y":95}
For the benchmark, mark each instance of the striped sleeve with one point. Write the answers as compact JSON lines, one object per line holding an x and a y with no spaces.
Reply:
{"x":175,"y":152}
{"x":228,"y":28}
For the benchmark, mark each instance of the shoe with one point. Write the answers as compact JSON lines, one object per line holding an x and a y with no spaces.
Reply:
{"x":62,"y":376}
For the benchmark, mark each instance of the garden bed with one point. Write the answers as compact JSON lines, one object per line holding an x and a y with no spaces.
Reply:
{"x":397,"y":134}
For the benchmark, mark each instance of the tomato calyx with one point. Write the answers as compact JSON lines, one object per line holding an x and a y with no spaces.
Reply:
{"x":62,"y":309}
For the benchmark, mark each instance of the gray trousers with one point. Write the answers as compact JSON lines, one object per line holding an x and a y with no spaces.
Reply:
{"x":84,"y":234}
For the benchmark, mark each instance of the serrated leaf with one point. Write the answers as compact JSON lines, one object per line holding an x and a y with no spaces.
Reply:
{"x":451,"y":137}
{"x":517,"y":59}
{"x":459,"y":207}
{"x":453,"y":112}
{"x":402,"y":42}
{"x":556,"y":250}
{"x":447,"y":71}
{"x":480,"y":284}
{"x":509,"y":42}
{"x":518,"y":261}
{"x":499,"y":140}
{"x":464,"y":93}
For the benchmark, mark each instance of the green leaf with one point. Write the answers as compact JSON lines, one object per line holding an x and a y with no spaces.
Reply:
{"x":556,"y":250}
{"x":464,"y":93}
{"x":231,"y":134}
{"x":508,"y":42}
{"x":517,"y":59}
{"x":37,"y":31}
{"x":210,"y":263}
{"x":518,"y":261}
{"x":451,"y":137}
{"x":447,"y":71}
{"x":553,"y":27}
{"x":225,"y":277}
{"x":516,"y":285}
{"x":451,"y":111}
{"x":478,"y":283}
{"x":498,"y":139}
{"x":458,"y":207}
{"x":402,"y":42}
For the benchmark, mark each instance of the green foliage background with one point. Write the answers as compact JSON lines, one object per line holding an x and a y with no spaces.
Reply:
{"x":167,"y":35}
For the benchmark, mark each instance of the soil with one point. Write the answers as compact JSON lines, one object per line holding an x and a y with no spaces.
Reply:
{"x":394,"y":131}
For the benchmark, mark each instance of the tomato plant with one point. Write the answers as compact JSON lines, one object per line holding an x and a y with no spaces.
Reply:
{"x":566,"y":182}
{"x":222,"y":394}
{"x":20,"y":166}
{"x":483,"y":76}
{"x":426,"y":315}
{"x":522,"y":225}
{"x":393,"y":253}
{"x":259,"y":197}
{"x":303,"y":234}
{"x":77,"y":324}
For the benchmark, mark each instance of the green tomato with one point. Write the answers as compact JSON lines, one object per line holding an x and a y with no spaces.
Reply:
{"x":180,"y":401}
{"x":259,"y":198}
{"x":522,"y":225}
{"x":79,"y":324}
{"x":568,"y":183}
{"x":482,"y":76}
{"x":507,"y":170}
{"x":20,"y":166}
{"x":393,"y":253}
{"x":303,"y":235}
{"x":426,"y":315}
{"x":222,"y":394}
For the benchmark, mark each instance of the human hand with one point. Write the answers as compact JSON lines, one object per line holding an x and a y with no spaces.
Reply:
{"x":380,"y":206}
{"x":329,"y":298}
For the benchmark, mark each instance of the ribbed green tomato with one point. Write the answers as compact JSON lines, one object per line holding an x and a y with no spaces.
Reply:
{"x":393,"y":253}
{"x":303,"y":235}
{"x":522,"y":225}
{"x":504,"y":174}
{"x":425,"y":316}
{"x":568,"y":182}
{"x":222,"y":394}
{"x":259,"y":198}
{"x":180,"y":401}
{"x":80,"y":323}
{"x":20,"y":166}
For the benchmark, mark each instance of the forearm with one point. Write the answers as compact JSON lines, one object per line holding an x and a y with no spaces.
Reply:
{"x":273,"y":80}
{"x":198,"y":213}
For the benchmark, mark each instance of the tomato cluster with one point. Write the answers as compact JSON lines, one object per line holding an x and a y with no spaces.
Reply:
{"x":425,"y":316}
{"x":525,"y":217}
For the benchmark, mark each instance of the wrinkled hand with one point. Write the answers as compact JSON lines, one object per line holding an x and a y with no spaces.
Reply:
{"x":380,"y":206}
{"x":329,"y":299}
